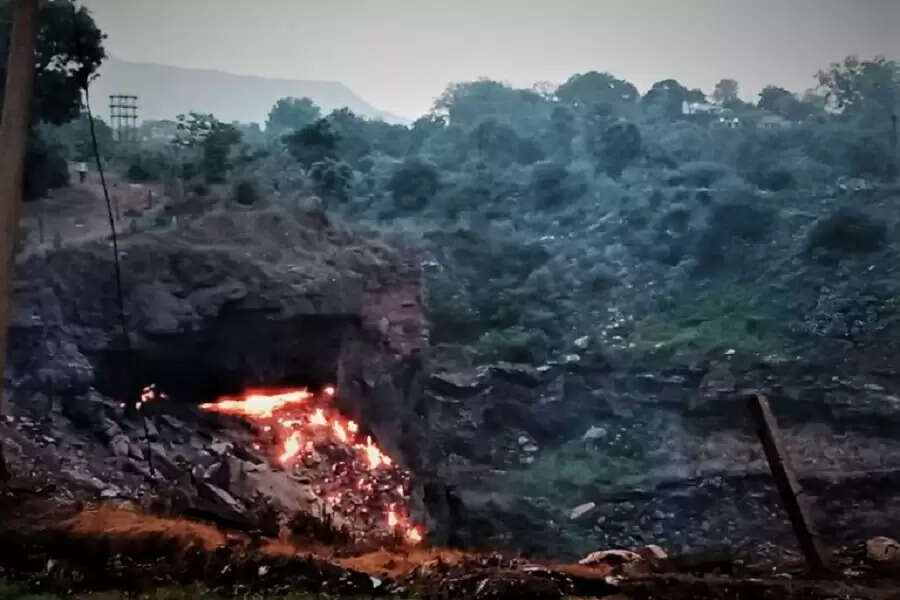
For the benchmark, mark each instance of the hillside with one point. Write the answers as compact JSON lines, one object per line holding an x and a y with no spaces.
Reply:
{"x":166,"y":91}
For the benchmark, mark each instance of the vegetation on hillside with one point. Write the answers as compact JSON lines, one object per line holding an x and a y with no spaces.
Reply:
{"x":648,"y":223}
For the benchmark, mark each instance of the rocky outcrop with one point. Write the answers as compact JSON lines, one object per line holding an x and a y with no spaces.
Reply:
{"x":229,"y":301}
{"x":581,"y":459}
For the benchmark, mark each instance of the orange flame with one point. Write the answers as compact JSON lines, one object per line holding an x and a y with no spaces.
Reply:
{"x":258,"y":404}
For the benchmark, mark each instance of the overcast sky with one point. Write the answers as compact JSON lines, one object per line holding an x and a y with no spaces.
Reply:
{"x":400,"y":54}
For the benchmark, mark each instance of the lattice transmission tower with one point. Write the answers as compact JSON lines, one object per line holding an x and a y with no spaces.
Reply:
{"x":123,"y":114}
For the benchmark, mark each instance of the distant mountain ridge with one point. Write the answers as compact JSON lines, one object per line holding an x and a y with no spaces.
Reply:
{"x":165,"y":91}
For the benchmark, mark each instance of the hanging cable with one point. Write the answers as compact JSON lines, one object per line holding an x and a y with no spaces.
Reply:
{"x":109,"y":211}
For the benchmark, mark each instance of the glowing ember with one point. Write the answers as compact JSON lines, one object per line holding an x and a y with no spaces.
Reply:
{"x":318,"y":418}
{"x":291,"y":447}
{"x":413,"y":536}
{"x":339,"y":431}
{"x":148,"y":394}
{"x":297,"y":423}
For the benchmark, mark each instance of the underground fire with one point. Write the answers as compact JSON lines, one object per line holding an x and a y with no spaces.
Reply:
{"x":297,"y":427}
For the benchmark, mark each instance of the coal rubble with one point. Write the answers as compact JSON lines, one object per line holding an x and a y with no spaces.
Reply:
{"x":216,"y":467}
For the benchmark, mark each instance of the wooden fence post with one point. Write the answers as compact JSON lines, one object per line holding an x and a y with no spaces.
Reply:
{"x":786,"y":481}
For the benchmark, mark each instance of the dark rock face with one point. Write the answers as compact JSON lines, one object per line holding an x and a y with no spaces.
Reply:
{"x":664,"y":457}
{"x":271,"y":300}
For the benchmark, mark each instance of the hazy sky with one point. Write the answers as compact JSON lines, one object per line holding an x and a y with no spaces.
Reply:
{"x":400,"y":54}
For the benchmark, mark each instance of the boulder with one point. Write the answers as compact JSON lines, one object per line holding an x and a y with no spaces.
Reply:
{"x":162,"y":464}
{"x":883,"y":551}
{"x":610,"y":558}
{"x":516,"y":373}
{"x":150,"y":430}
{"x":456,"y":385}
{"x":223,"y":503}
{"x":120,"y":445}
{"x":594,"y":433}
{"x":651,"y":552}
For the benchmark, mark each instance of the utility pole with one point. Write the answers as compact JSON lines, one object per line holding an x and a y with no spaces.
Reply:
{"x":13,"y":138}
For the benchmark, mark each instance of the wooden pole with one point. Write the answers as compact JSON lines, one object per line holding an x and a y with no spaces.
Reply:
{"x":14,"y":122}
{"x":786,"y":481}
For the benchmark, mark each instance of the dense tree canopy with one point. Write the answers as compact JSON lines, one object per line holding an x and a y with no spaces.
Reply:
{"x":291,"y":114}
{"x":313,"y":143}
{"x":665,"y":98}
{"x":591,"y":89}
{"x":783,"y":103}
{"x":69,"y":51}
{"x":863,"y":88}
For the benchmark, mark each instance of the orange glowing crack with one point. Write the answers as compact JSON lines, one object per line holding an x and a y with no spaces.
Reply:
{"x":258,"y":404}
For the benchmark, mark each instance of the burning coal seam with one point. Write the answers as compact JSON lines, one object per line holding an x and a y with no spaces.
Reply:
{"x":299,"y":430}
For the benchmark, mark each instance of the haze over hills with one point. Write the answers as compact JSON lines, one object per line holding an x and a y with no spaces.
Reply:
{"x":165,"y":91}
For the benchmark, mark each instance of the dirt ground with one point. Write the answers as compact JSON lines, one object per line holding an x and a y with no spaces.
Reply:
{"x":78,"y":213}
{"x":59,"y":545}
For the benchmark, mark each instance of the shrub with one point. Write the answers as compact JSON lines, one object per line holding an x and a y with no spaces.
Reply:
{"x":138,"y":173}
{"x":333,"y":179}
{"x":704,"y":173}
{"x":246,"y":192}
{"x":847,"y":230}
{"x":553,"y":184}
{"x":514,"y":344}
{"x":771,"y":178}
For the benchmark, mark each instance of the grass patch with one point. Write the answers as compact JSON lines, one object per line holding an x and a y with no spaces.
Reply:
{"x":564,"y":473}
{"x":714,"y":323}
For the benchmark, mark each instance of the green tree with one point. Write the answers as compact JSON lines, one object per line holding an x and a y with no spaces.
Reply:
{"x":291,"y":114}
{"x":75,"y":137}
{"x":726,"y":91}
{"x":467,"y":104}
{"x":354,"y":135}
{"x":424,"y":128}
{"x":333,"y":179}
{"x":665,"y":98}
{"x":68,"y":52}
{"x":591,"y":89}
{"x":414,"y":183}
{"x":552,"y":184}
{"x":783,"y":103}
{"x":314,"y":143}
{"x":213,"y":139}
{"x":614,"y":145}
{"x":860,"y":87}
{"x":868,"y":91}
